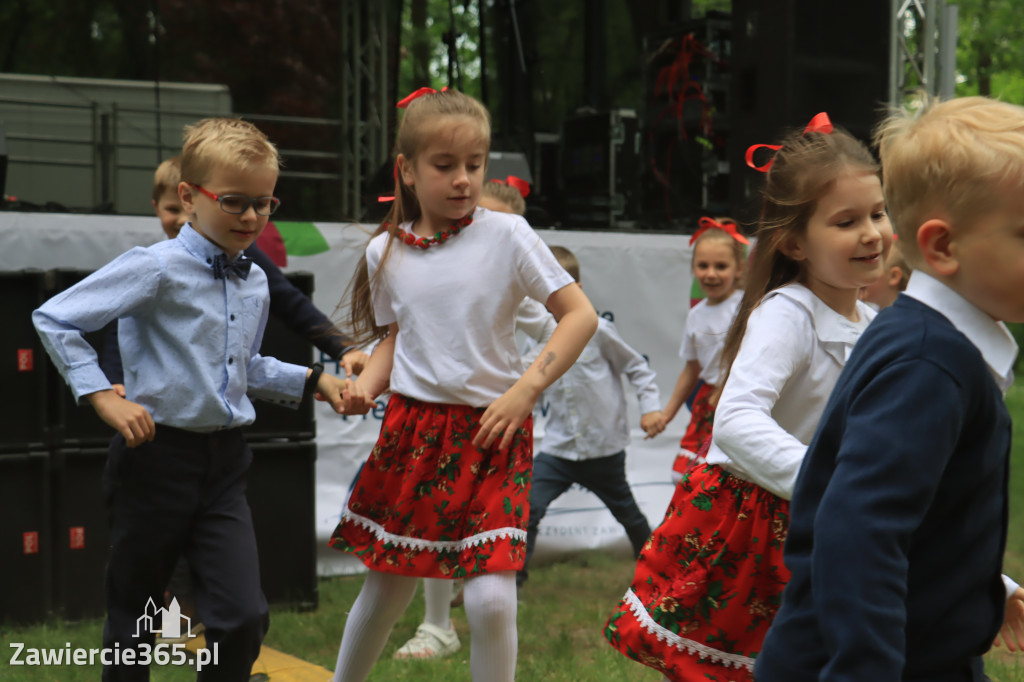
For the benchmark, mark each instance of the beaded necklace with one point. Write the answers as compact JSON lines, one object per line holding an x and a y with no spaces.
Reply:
{"x":439,"y":237}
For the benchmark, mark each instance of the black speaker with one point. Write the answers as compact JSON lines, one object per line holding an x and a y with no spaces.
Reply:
{"x":274,"y":421}
{"x":25,"y":369}
{"x":789,"y":64}
{"x":73,"y":424}
{"x":25,"y":538}
{"x":3,"y":165}
{"x":81,"y":532}
{"x":282,"y":497}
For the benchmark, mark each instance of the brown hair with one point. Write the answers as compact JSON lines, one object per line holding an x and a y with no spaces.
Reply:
{"x":567,"y":260}
{"x":804,"y":170}
{"x":421,"y":118}
{"x":167,"y":176}
{"x":951,"y":158}
{"x":506,"y":194}
{"x":224,"y":142}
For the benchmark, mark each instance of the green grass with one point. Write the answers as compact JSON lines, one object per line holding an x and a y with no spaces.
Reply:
{"x":561,"y":614}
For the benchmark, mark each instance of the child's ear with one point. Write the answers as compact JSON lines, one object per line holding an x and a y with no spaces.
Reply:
{"x":405,"y":170}
{"x":895,"y":275}
{"x":186,"y":198}
{"x":791,"y":248}
{"x":156,"y":208}
{"x":935,"y":240}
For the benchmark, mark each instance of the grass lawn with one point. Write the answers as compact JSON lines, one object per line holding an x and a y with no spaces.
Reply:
{"x":561,"y":614}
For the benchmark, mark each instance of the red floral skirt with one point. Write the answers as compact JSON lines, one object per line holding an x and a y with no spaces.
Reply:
{"x":708,"y":582}
{"x":702,"y":418}
{"x":428,"y":503}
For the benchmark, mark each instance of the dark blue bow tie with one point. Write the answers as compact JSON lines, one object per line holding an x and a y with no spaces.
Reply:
{"x":222,"y":266}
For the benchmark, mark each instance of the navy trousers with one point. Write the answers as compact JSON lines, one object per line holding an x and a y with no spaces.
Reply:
{"x":604,"y":476}
{"x":183,"y":494}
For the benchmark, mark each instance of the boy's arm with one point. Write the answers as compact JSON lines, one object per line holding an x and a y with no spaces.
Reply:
{"x":881,"y":488}
{"x":577,"y":322}
{"x":290,"y":305}
{"x":625,"y":360}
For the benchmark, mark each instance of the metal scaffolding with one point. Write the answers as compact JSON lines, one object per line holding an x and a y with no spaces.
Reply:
{"x":922,"y":54}
{"x":364,"y":87}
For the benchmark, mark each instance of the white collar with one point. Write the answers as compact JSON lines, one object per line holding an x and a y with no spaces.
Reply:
{"x":836,"y":333}
{"x":991,"y":337}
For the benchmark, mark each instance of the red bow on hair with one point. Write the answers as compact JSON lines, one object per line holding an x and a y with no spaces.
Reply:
{"x":512,"y":181}
{"x":819,"y":124}
{"x":712,"y":224}
{"x":402,"y":104}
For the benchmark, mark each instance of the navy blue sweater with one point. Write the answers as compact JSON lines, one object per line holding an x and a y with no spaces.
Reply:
{"x":898,"y":518}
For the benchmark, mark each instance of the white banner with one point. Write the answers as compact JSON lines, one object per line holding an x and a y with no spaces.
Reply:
{"x":640,"y":281}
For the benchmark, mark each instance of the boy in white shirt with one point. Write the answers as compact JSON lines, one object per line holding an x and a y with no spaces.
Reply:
{"x":586,"y":433}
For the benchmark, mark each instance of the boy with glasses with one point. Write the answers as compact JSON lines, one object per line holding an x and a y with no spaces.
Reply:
{"x":191,"y":314}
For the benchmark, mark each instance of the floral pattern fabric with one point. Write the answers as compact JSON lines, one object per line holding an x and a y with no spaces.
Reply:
{"x":428,"y":503}
{"x":708,"y":582}
{"x":692,"y":446}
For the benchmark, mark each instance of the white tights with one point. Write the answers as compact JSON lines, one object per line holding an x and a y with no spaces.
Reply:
{"x":490,"y":602}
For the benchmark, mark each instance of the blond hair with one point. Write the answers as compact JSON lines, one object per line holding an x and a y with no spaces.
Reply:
{"x":229,"y":142}
{"x":952,"y":159}
{"x":423,"y":117}
{"x":167,"y":176}
{"x":500,"y":190}
{"x":567,"y":260}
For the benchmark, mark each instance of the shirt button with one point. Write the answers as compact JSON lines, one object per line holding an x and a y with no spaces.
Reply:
{"x":230,"y":360}
{"x":209,"y":260}
{"x":232,"y":318}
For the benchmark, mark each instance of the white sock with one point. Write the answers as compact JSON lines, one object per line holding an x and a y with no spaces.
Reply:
{"x":382,"y":600}
{"x":491,"y":611}
{"x":437,"y":596}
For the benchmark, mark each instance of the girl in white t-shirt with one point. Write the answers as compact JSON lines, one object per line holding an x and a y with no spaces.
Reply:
{"x":718,"y":254}
{"x":444,"y":493}
{"x":711,"y":577}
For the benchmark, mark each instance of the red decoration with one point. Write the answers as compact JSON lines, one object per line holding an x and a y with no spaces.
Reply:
{"x":512,"y":181}
{"x":439,"y":237}
{"x":404,"y":102}
{"x":819,"y":124}
{"x":707,"y":223}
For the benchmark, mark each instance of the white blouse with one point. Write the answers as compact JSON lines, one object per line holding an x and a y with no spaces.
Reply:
{"x":790,"y":358}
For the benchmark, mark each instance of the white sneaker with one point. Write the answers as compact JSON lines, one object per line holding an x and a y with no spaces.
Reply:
{"x":430,"y":641}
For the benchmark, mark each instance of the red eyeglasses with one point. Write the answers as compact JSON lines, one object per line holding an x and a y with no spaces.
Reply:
{"x":236,"y":204}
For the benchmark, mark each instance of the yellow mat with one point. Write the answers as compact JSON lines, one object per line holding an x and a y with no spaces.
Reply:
{"x":280,"y":667}
{"x":276,"y":666}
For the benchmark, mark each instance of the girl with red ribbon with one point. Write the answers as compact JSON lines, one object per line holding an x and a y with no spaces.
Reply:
{"x":718,"y":256}
{"x":445,"y":491}
{"x":710,"y":578}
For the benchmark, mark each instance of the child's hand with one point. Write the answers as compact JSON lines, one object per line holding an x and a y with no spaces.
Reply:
{"x":129,"y":419}
{"x":119,"y":389}
{"x":503,"y":417}
{"x":357,"y":399}
{"x":354,"y":361}
{"x":653,"y":423}
{"x":329,"y":389}
{"x":1012,"y":632}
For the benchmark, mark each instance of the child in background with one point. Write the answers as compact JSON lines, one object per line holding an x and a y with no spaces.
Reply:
{"x":586,"y":432}
{"x":710,"y":578}
{"x":435,"y":636}
{"x":191,"y":315}
{"x":718,"y":256}
{"x":883,"y":293}
{"x":445,"y":491}
{"x":899,"y":513}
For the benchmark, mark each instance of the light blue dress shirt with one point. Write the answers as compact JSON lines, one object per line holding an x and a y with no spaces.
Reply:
{"x":189,"y":342}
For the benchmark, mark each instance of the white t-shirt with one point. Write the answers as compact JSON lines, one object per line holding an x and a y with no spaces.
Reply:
{"x":455,"y":305}
{"x":790,"y":358}
{"x":704,"y":335}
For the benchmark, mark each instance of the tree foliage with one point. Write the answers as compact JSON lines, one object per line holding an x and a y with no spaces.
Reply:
{"x":990,"y":49}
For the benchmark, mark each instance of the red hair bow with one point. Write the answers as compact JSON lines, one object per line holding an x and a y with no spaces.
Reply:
{"x":819,"y":124}
{"x":707,"y":223}
{"x":402,"y":104}
{"x":512,"y":181}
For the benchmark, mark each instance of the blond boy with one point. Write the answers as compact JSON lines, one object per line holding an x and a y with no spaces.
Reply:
{"x":191,"y":313}
{"x":898,"y":519}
